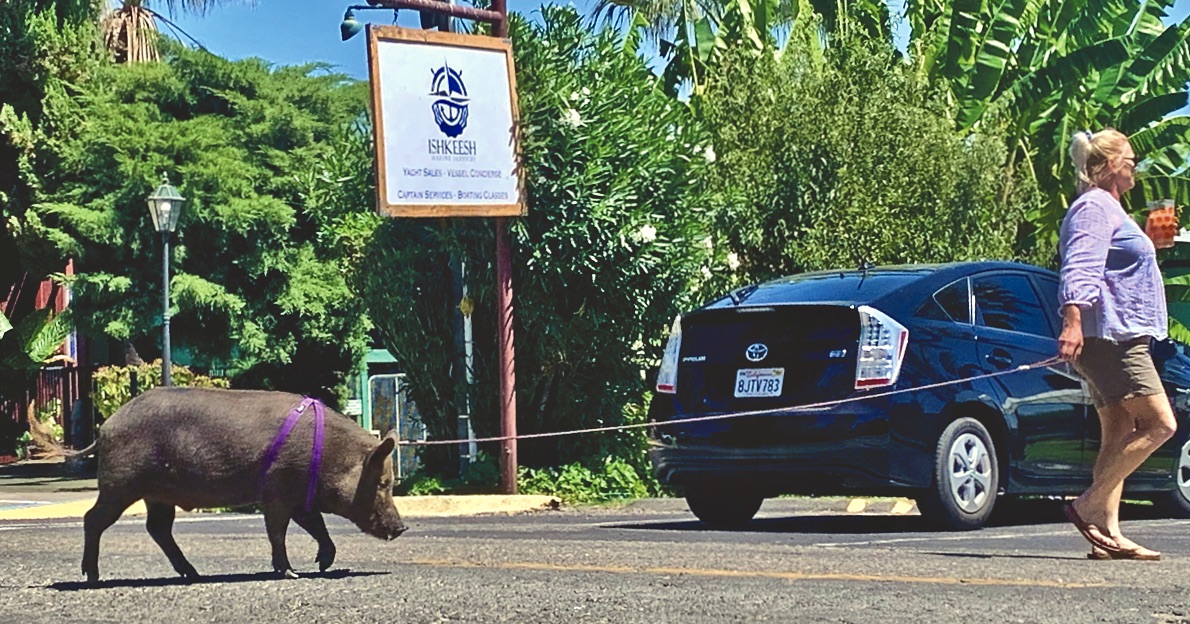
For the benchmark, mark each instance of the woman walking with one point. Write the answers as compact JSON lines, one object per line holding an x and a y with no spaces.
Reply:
{"x":1113,"y":306}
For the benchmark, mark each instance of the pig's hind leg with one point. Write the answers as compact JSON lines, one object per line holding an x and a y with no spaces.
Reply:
{"x":160,"y":523}
{"x":106,"y":511}
{"x":276,"y":522}
{"x":313,"y":524}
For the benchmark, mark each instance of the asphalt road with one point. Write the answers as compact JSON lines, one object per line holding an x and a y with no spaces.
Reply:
{"x":802,"y":560}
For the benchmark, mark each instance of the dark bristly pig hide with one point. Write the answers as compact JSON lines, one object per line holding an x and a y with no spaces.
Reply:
{"x":201,"y":447}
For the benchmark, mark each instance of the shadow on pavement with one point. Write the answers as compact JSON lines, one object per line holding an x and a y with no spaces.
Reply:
{"x":1049,"y":511}
{"x":1007,"y":513}
{"x":55,"y":475}
{"x":1000,"y":555}
{"x":214,"y":578}
{"x":859,"y":524}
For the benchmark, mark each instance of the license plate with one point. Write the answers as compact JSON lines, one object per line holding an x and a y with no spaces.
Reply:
{"x":759,"y":382}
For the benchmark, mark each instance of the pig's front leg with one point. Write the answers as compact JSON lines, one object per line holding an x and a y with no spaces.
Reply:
{"x":276,"y":522}
{"x":313,"y":524}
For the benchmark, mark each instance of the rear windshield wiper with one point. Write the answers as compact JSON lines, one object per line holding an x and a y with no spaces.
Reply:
{"x":740,"y":294}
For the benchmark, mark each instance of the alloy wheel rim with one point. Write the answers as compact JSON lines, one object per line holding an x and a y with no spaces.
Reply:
{"x":970,"y":472}
{"x":1183,"y":474}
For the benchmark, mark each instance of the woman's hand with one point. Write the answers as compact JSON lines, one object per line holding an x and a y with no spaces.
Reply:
{"x":1070,"y":341}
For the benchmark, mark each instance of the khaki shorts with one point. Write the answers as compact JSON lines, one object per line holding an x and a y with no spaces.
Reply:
{"x":1118,"y":371}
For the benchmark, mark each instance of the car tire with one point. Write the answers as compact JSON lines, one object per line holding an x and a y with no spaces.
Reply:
{"x":966,"y":478}
{"x":723,"y":511}
{"x":1176,"y":504}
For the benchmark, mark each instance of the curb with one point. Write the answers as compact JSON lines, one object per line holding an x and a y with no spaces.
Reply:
{"x":408,"y":506}
{"x":472,"y":505}
{"x":897,"y":507}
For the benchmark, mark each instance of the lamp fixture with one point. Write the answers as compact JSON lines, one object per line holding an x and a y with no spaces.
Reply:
{"x":349,"y":28}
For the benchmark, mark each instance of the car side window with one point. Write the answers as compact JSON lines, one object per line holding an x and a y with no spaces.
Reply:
{"x":1048,"y":287}
{"x":1007,"y":301}
{"x":951,"y":303}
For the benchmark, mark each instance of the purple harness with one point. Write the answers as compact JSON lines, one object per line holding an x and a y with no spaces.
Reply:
{"x":316,"y":455}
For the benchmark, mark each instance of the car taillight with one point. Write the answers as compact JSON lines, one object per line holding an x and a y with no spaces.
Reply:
{"x":667,"y":377}
{"x":882,"y":344}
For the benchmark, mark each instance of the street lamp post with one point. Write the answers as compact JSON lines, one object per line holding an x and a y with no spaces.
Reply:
{"x":165,"y":204}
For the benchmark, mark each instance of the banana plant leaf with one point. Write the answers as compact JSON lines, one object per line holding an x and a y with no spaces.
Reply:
{"x":35,"y":339}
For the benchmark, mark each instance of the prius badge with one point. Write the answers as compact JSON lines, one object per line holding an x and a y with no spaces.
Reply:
{"x":756,"y":352}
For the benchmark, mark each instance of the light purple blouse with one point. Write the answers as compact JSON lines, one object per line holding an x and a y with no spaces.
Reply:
{"x":1109,"y":270}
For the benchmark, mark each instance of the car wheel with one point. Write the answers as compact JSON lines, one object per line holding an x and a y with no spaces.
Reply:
{"x":966,"y":478}
{"x":723,"y":511}
{"x":1176,"y":504}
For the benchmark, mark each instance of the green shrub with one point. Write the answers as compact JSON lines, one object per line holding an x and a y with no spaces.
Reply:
{"x":830,"y":157}
{"x":609,"y":252}
{"x":22,"y":445}
{"x":483,"y":474}
{"x":113,"y":384}
{"x":613,"y":479}
{"x":421,"y":484}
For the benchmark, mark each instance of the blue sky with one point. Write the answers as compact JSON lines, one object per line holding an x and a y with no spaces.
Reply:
{"x":291,"y":32}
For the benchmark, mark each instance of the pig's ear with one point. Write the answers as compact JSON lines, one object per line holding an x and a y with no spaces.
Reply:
{"x":384,"y":449}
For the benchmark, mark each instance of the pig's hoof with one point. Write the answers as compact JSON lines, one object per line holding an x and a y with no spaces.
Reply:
{"x":324,"y":561}
{"x":287,"y":574}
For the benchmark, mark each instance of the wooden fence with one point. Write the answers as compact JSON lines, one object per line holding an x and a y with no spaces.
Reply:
{"x":60,"y":392}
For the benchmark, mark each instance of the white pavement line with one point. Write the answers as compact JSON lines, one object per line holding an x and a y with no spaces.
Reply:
{"x":24,"y":502}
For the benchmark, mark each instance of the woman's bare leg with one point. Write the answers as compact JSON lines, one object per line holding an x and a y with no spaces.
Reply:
{"x":1131,"y":431}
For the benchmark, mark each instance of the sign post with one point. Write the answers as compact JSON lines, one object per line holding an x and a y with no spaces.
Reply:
{"x":447,"y":145}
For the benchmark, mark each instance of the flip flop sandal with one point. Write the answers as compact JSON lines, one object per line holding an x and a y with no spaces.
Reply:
{"x":1138,"y":554}
{"x":1090,"y":532}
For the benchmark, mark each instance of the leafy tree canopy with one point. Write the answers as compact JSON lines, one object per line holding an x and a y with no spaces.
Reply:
{"x":831,"y":157}
{"x":1047,"y":69}
{"x":606,"y":256}
{"x":46,"y":47}
{"x":268,"y":160}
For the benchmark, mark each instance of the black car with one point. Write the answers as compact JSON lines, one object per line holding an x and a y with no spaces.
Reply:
{"x":878,"y":346}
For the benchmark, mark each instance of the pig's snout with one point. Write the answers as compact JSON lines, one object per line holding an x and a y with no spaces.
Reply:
{"x":395,"y":533}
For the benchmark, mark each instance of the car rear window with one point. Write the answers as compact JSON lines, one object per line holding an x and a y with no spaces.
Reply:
{"x":951,"y":303}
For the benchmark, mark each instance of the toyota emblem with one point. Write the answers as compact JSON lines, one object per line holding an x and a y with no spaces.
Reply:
{"x":756,"y":352}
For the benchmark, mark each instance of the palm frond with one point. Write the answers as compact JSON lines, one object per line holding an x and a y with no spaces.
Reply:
{"x":1154,"y":138}
{"x":50,"y":337}
{"x":35,"y":338}
{"x":1056,"y":77}
{"x":130,"y":34}
{"x":993,"y":55}
{"x":1145,"y":112}
{"x":1154,"y":187}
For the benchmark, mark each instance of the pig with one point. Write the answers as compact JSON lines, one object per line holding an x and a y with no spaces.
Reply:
{"x":205,"y":447}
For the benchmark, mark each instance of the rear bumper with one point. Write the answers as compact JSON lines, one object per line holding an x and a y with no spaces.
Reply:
{"x":849,"y":449}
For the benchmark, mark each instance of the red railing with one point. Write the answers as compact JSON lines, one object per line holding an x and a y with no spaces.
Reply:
{"x":56,"y":392}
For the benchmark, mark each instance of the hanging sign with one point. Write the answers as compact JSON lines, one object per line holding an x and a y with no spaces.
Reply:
{"x":445,"y":112}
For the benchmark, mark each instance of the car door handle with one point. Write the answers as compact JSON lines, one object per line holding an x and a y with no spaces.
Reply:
{"x":999,"y":358}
